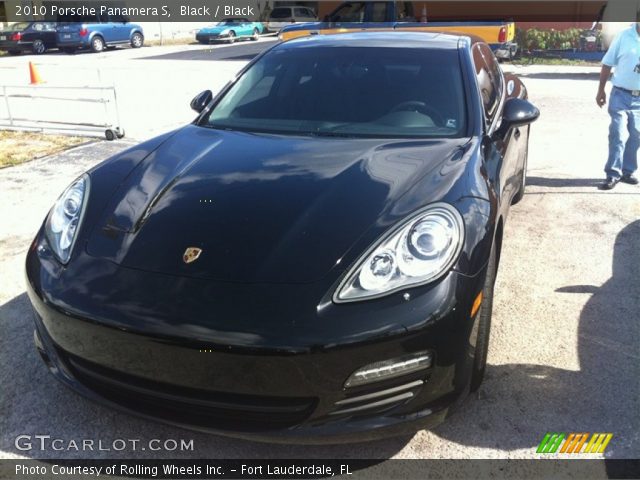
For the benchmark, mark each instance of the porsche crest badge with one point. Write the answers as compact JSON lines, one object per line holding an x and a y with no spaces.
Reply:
{"x":191,"y":254}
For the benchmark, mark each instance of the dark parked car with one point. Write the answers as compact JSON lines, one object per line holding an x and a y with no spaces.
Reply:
{"x":97,"y":33}
{"x":34,"y":37}
{"x":311,"y":260}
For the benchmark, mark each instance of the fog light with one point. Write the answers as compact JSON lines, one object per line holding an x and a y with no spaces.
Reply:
{"x":389,"y":369}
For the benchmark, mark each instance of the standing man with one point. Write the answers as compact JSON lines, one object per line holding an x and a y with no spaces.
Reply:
{"x":624,"y":106}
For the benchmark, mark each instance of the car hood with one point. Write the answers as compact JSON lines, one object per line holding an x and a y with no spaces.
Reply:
{"x":262,"y":208}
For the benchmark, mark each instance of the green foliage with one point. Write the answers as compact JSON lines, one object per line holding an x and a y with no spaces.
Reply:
{"x":538,"y":39}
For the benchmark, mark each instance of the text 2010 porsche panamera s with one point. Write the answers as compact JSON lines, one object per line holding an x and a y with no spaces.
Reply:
{"x":311,"y":260}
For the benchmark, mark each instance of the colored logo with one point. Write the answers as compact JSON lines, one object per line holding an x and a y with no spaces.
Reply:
{"x":191,"y":254}
{"x":574,"y":442}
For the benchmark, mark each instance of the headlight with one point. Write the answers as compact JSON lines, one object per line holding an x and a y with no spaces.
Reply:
{"x":65,"y":217}
{"x":416,"y":252}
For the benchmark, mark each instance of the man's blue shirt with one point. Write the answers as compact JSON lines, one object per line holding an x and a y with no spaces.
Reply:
{"x":624,"y":56}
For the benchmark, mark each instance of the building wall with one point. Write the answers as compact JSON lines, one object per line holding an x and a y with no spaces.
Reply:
{"x":554,"y":25}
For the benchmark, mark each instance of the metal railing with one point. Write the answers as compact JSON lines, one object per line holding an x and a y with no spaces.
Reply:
{"x":46,"y":108}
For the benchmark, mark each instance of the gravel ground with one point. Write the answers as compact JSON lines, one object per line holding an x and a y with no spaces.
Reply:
{"x":564,"y":349}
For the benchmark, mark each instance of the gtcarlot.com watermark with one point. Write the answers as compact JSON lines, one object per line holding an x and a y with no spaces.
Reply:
{"x":49,"y":443}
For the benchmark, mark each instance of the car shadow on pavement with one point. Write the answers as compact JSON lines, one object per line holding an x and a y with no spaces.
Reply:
{"x":563,"y":182}
{"x":560,"y":75}
{"x":33,"y":403}
{"x":601,"y":395}
{"x":243,"y":51}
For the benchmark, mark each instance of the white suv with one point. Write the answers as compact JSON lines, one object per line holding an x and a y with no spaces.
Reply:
{"x":282,"y":16}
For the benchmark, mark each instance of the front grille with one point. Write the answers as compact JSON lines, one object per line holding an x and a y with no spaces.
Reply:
{"x":193,"y":406}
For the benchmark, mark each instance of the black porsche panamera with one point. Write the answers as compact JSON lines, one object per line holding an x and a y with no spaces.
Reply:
{"x":311,"y":260}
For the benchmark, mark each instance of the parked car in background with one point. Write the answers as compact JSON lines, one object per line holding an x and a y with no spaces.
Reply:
{"x":34,"y":37}
{"x":283,"y":16}
{"x":97,"y":33}
{"x":394,"y":15}
{"x":230,"y":30}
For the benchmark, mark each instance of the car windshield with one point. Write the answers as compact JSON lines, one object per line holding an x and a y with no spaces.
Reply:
{"x":229,"y":21}
{"x":280,"y":13}
{"x":347,"y":91}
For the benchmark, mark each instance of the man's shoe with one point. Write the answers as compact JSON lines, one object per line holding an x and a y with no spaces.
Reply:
{"x":609,"y":183}
{"x":629,"y":178}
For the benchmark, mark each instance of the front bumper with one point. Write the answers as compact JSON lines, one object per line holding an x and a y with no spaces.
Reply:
{"x":286,"y":384}
{"x":11,"y":46}
{"x":74,"y":42}
{"x":211,"y":37}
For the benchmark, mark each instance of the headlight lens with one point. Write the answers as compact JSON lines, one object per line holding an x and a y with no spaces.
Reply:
{"x":418,"y":251}
{"x":65,"y":217}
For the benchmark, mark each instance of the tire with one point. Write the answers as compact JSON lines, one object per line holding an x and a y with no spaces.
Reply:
{"x":38,"y":47}
{"x":97,"y":44}
{"x":484,"y":324}
{"x":256,"y":35}
{"x":15,"y":52}
{"x":137,"y":40}
{"x":232,"y":36}
{"x":110,"y":135}
{"x":523,"y":182}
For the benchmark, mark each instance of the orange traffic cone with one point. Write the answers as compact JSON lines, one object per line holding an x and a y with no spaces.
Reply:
{"x":35,"y":76}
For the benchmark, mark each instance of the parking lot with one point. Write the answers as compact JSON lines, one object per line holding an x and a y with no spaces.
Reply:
{"x":154,"y":85}
{"x":564,"y":348}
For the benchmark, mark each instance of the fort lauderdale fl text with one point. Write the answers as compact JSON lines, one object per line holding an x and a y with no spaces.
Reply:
{"x":174,"y":470}
{"x":83,"y":11}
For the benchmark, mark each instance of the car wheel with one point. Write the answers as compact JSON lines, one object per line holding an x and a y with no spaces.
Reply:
{"x":484,"y":324}
{"x":256,"y":35}
{"x":15,"y":52}
{"x":232,"y":36}
{"x":97,"y":44}
{"x":38,"y":47}
{"x":137,"y":40}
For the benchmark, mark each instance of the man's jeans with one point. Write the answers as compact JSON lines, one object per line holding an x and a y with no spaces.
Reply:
{"x":624,"y":133}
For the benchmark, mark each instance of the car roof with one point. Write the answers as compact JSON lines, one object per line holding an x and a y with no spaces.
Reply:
{"x":390,"y":39}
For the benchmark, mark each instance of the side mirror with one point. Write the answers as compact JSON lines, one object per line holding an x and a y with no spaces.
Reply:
{"x":201,"y":100}
{"x":517,"y":113}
